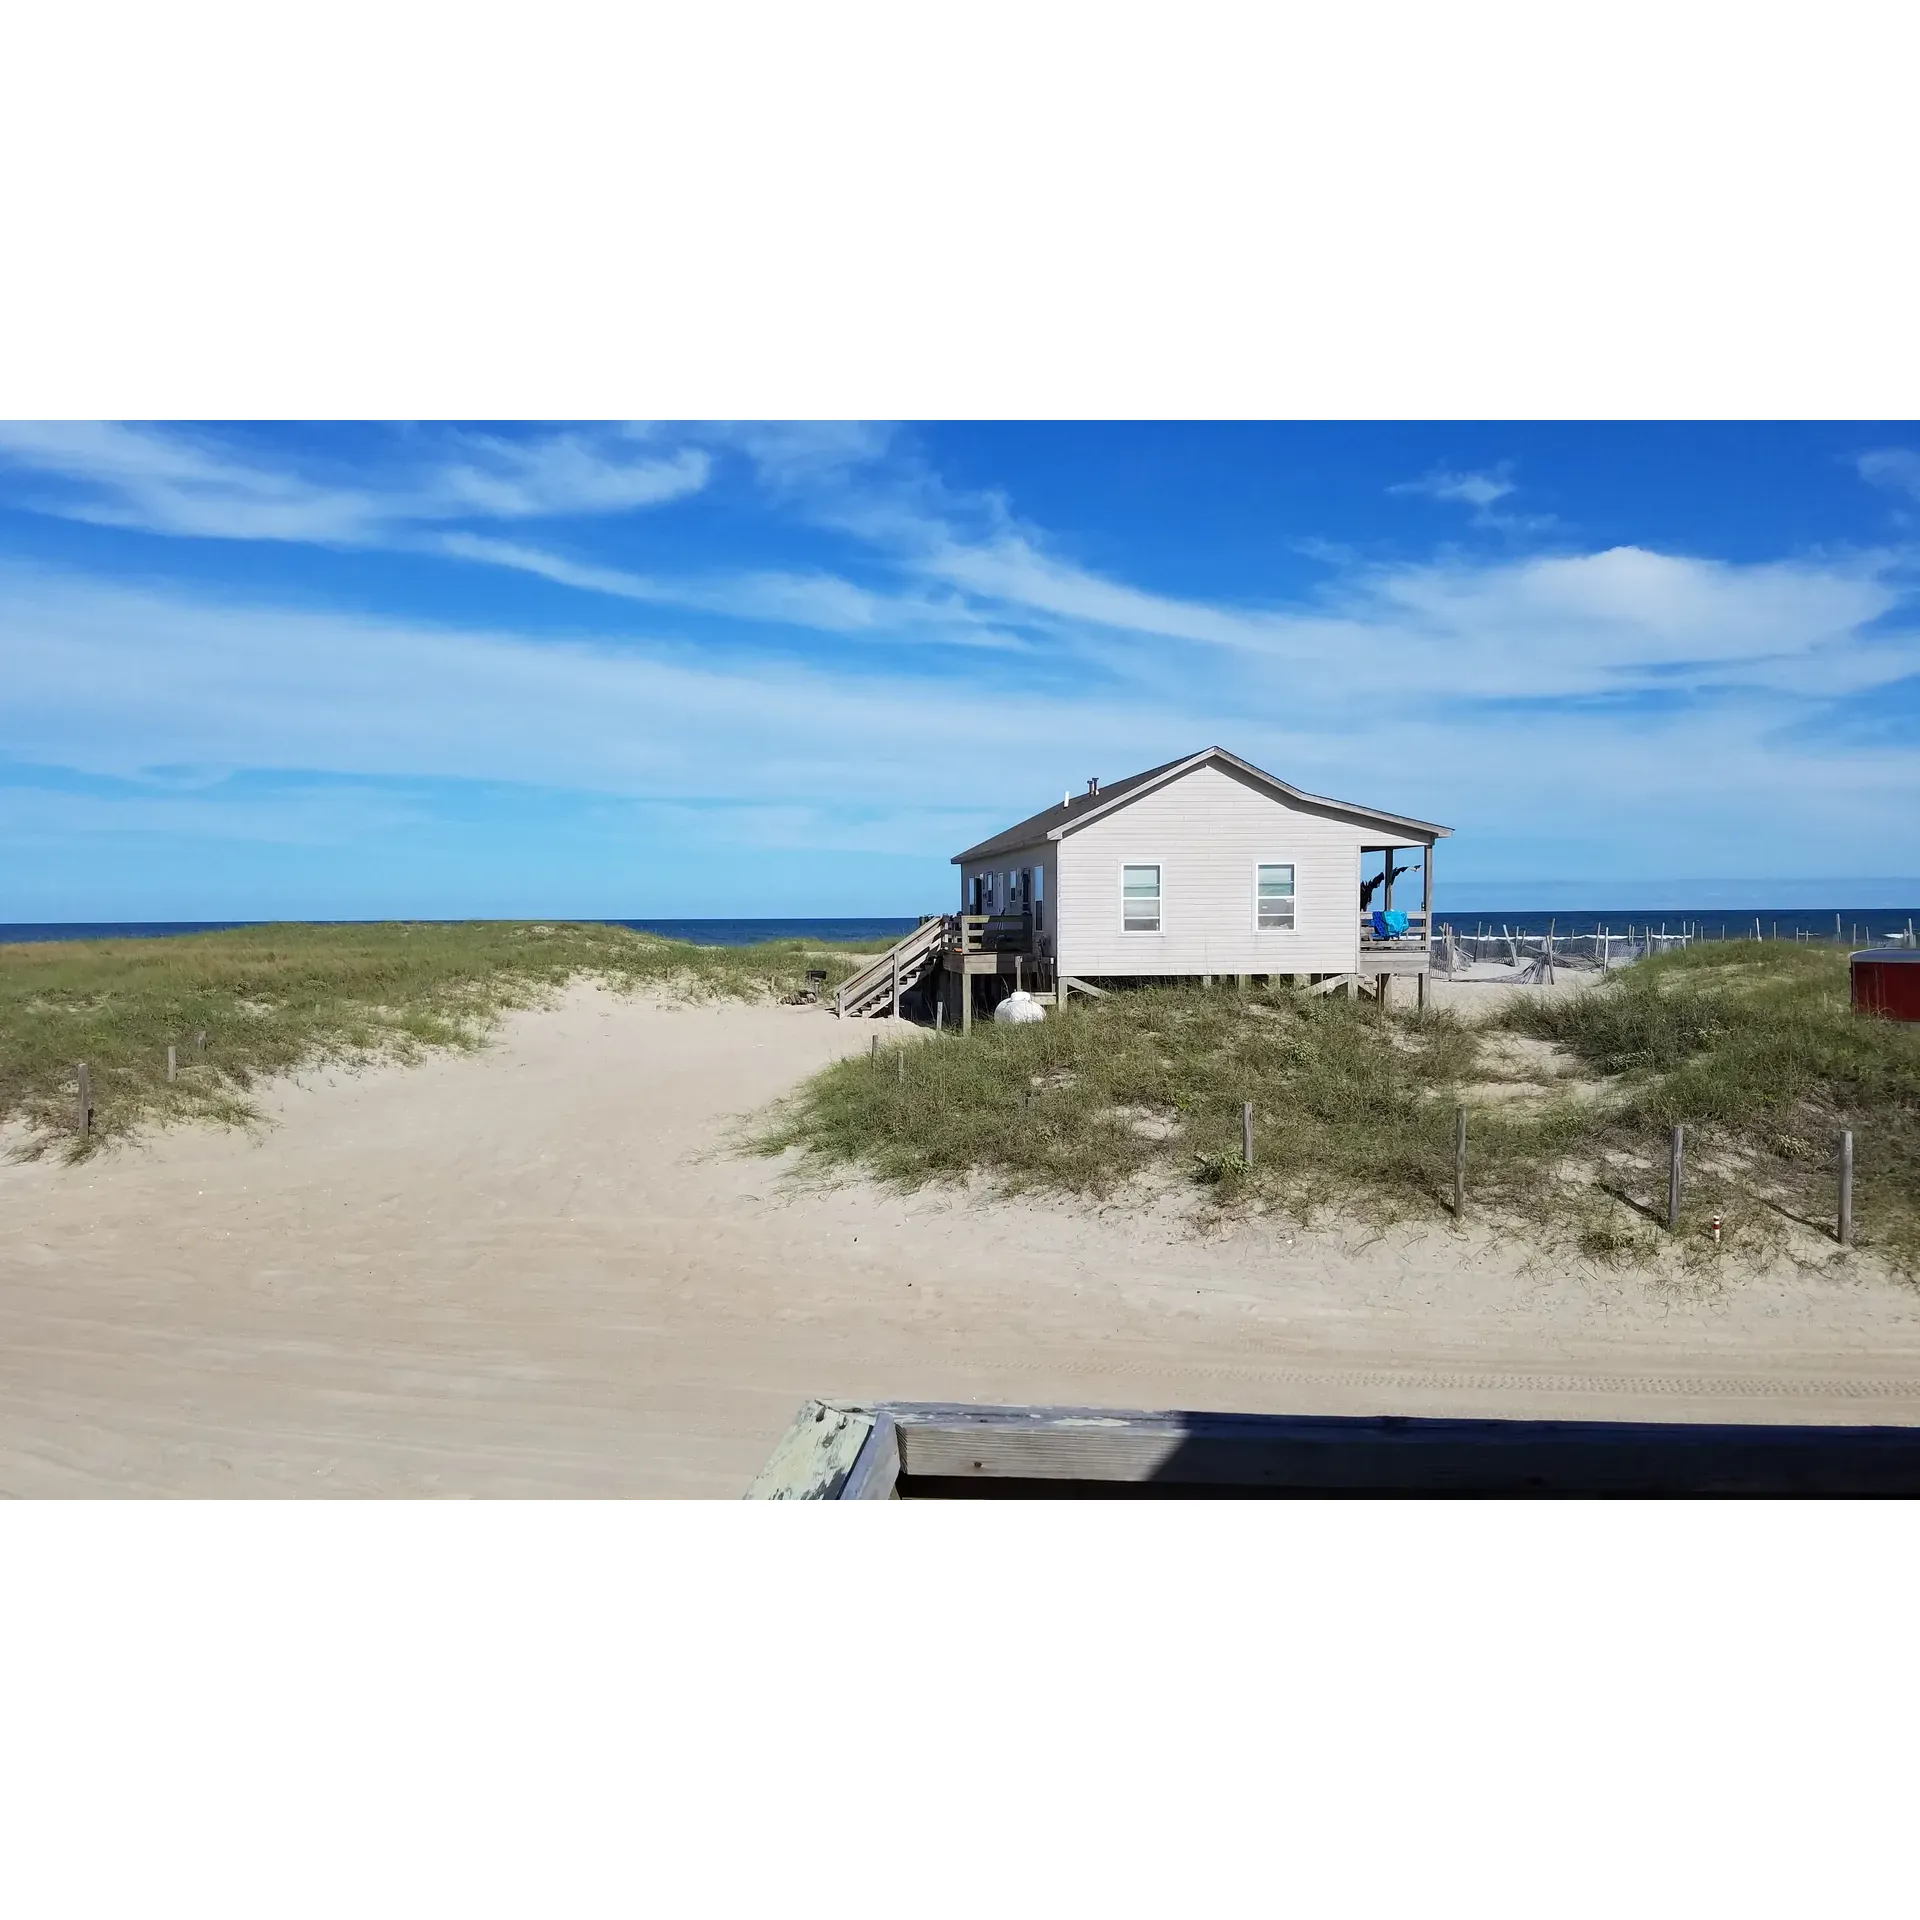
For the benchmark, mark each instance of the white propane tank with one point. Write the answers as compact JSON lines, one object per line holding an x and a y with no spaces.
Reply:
{"x":1019,"y":1009}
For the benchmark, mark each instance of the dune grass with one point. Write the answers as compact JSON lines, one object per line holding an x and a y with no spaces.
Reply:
{"x":1751,"y":1046}
{"x":277,"y":998}
{"x":1149,"y":1079}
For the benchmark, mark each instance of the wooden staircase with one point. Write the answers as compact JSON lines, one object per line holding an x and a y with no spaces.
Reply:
{"x":903,"y":966}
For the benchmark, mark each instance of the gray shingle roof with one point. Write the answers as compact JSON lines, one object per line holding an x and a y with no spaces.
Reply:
{"x":1083,"y":807}
{"x":1042,"y":824}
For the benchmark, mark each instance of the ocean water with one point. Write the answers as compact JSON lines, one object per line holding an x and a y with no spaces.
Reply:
{"x":1856,"y":926}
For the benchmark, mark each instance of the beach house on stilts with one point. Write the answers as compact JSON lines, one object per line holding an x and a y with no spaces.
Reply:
{"x":1204,"y":869}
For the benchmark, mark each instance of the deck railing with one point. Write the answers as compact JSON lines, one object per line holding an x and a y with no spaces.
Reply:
{"x":1415,"y":936}
{"x":993,"y":933}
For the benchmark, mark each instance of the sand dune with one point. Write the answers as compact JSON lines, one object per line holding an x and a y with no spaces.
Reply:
{"x":540,"y":1271}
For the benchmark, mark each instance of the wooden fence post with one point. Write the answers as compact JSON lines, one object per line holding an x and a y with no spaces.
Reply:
{"x":86,"y":1099}
{"x":200,"y":1044}
{"x":172,"y":1066}
{"x":1845,"y":1221}
{"x":1459,"y":1163}
{"x":1246,"y":1131}
{"x":1676,"y":1168}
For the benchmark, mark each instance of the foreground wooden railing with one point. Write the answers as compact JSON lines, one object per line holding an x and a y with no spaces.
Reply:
{"x":920,"y":1450}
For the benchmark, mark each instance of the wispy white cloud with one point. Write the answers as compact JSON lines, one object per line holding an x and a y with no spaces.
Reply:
{"x":1895,"y":468}
{"x":1482,"y":491}
{"x":113,"y":681}
{"x":819,"y":602}
{"x":1540,"y":627}
{"x":1614,"y":623}
{"x":173,"y":481}
{"x":1479,"y":490}
{"x":1391,"y":682}
{"x":946,"y":568}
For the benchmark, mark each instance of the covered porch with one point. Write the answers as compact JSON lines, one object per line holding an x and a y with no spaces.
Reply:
{"x":1396,"y":914}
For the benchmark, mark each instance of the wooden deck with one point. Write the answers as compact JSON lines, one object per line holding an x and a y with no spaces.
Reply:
{"x":947,"y":953}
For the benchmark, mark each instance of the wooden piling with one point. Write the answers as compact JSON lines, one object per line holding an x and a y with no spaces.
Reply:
{"x":172,"y":1066}
{"x":1459,"y":1163}
{"x":1844,"y":1222}
{"x":1676,"y":1170}
{"x":1246,"y":1131}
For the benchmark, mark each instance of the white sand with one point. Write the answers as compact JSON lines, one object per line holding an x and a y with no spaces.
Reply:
{"x":539,"y":1271}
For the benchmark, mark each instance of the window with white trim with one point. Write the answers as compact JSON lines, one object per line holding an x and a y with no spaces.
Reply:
{"x":1275,"y":897}
{"x":1140,"y":899}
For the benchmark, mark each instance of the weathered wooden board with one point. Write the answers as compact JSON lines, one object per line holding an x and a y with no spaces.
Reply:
{"x":1394,"y":1454}
{"x":875,"y":1474}
{"x":907,"y":1447}
{"x":816,"y":1454}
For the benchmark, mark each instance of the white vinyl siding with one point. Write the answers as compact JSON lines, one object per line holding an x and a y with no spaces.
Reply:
{"x":1140,"y":898}
{"x":1273,"y":896}
{"x":1209,"y":832}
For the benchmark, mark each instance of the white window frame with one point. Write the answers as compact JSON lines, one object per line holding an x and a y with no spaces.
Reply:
{"x":1120,"y":880}
{"x":1273,"y":932}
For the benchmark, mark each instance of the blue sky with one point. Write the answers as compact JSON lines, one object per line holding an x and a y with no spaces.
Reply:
{"x":639,"y":671}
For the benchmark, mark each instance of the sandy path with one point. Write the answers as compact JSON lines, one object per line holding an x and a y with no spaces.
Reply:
{"x":537,"y":1271}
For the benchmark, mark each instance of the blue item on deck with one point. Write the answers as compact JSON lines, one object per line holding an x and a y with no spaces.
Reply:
{"x":1389,"y":925}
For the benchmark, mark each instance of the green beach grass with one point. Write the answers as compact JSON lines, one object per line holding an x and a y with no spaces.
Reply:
{"x":274,"y":999}
{"x":1750,"y":1045}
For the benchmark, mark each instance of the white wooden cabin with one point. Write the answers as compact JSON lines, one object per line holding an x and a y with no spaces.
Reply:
{"x":1203,"y":868}
{"x":1206,"y":866}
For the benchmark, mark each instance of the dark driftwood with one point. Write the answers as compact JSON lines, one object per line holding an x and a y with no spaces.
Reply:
{"x":908,"y":1449}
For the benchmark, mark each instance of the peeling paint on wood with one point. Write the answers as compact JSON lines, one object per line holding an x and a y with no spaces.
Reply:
{"x":815,"y":1454}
